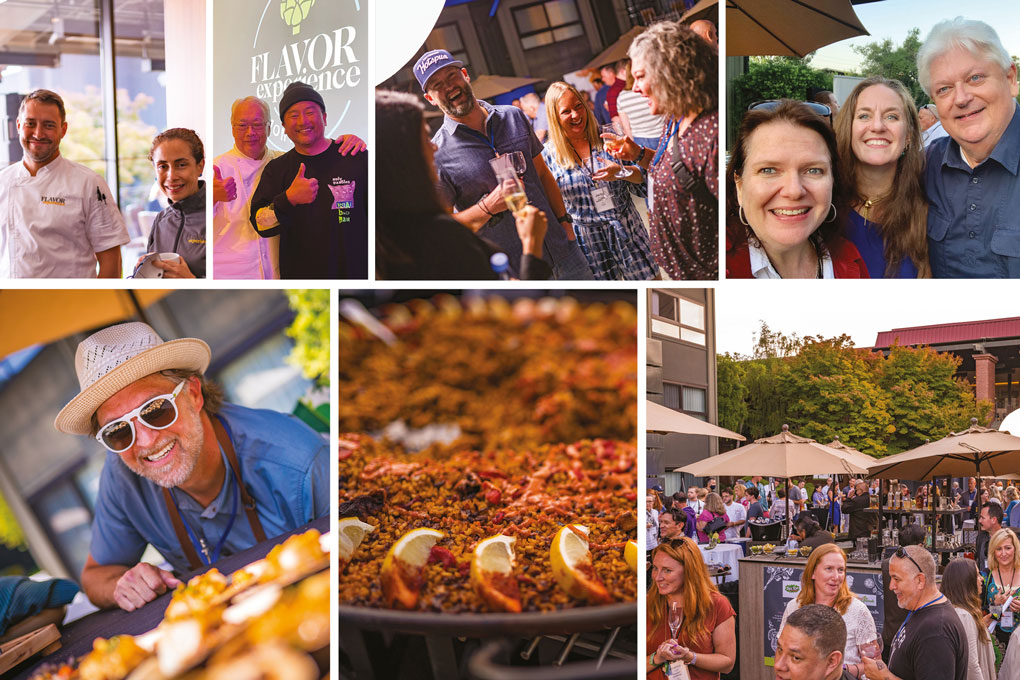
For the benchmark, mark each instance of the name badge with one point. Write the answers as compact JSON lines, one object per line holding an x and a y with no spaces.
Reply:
{"x":651,"y":192}
{"x":603,"y":199}
{"x":677,"y":670}
{"x":1007,"y":620}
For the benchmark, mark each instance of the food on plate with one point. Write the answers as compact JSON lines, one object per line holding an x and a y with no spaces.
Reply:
{"x":805,"y":550}
{"x":297,"y":556}
{"x":756,"y":550}
{"x":768,"y":547}
{"x":351,"y":531}
{"x":572,"y":565}
{"x":403,"y":570}
{"x":269,"y":661}
{"x":630,"y":554}
{"x":111,"y":659}
{"x":197,"y":595}
{"x":492,"y":574}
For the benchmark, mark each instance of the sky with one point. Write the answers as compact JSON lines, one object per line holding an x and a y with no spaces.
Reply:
{"x":894,"y":18}
{"x":858,"y":308}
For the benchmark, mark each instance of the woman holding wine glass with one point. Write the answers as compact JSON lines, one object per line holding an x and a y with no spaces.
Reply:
{"x":824,"y":582}
{"x":596,"y":190}
{"x":689,"y":621}
{"x":961,"y":584}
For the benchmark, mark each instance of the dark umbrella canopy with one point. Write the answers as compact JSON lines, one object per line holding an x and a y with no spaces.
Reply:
{"x":790,"y":28}
{"x":976,"y":451}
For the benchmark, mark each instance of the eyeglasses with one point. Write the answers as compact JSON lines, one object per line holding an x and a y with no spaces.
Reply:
{"x":244,"y":127}
{"x":772,"y":104}
{"x":157,"y":413}
{"x":901,"y":553}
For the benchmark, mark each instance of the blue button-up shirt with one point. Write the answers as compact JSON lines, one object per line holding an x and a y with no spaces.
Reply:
{"x":465,"y":176}
{"x":284,"y":465}
{"x":974,"y":217}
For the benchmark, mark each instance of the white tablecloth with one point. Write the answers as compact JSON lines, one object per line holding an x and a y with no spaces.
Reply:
{"x":724,"y":554}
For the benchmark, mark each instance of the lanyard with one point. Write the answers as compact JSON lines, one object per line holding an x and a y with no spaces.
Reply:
{"x":489,"y":138}
{"x":591,"y":160}
{"x":671,"y":130}
{"x":199,"y":543}
{"x":911,"y":613}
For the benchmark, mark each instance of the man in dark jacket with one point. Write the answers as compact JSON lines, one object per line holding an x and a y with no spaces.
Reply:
{"x":857,"y":504}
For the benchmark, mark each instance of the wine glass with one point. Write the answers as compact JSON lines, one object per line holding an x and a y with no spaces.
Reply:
{"x":872,"y":649}
{"x":614,"y":144}
{"x":674,"y":619}
{"x":518,"y":162}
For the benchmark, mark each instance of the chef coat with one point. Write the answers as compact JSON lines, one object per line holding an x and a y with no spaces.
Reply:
{"x":53,"y":224}
{"x":239,"y":252}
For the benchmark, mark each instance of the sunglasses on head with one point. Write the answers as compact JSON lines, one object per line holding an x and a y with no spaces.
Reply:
{"x":901,"y":553}
{"x":157,"y":413}
{"x":771,"y":104}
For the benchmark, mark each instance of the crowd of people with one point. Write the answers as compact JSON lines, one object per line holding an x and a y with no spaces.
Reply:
{"x":585,"y":164}
{"x":960,"y":626}
{"x":878,"y":188}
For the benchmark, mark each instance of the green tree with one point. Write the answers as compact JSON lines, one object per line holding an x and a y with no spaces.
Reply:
{"x":310,"y":331}
{"x":731,"y":392}
{"x":898,"y":62}
{"x":776,"y":78}
{"x":11,"y":534}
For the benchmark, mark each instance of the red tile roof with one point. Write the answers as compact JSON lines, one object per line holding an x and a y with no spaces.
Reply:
{"x":968,"y":331}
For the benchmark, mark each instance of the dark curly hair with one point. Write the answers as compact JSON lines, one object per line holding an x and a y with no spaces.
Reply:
{"x":682,"y":68}
{"x":189,"y":137}
{"x":794,"y":113}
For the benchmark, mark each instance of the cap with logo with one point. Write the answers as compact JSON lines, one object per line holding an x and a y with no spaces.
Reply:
{"x":430,"y":62}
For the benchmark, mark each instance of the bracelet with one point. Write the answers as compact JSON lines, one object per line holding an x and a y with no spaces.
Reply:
{"x":481,"y":204}
{"x":642,"y":156}
{"x":694,"y":659}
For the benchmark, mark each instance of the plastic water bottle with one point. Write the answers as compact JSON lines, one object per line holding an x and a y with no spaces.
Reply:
{"x":500,"y":264}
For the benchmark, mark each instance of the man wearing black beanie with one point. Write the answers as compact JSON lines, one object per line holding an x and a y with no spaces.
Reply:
{"x":323,"y":229}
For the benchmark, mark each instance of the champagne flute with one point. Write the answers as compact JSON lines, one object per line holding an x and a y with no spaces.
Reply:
{"x":674,"y":619}
{"x":513,"y":189}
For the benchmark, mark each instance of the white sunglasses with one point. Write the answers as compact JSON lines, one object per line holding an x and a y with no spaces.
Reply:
{"x":157,"y":413}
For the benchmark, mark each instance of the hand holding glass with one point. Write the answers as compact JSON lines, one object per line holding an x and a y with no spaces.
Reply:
{"x":615,"y":142}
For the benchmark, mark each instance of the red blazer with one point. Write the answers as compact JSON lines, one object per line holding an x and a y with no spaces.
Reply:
{"x":847,"y":262}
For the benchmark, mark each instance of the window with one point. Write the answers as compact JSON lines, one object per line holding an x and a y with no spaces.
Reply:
{"x":447,"y":37}
{"x":548,"y":22}
{"x":677,"y":318}
{"x":689,"y":400}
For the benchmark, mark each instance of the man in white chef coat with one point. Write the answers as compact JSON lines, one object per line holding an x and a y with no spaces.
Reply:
{"x":57,"y":217}
{"x":238,"y":251}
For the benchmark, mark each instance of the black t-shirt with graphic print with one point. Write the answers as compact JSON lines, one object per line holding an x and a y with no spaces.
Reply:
{"x":931,"y":644}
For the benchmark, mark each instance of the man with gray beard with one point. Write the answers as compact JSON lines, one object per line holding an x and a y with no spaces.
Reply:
{"x":475,"y":132}
{"x":182,"y":465}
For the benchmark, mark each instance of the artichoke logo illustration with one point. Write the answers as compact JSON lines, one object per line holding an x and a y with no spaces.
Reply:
{"x":293,"y":12}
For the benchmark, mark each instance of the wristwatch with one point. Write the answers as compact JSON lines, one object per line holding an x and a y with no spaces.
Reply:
{"x":565,"y":218}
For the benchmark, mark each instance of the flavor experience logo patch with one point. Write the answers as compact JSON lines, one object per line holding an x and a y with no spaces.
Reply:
{"x":293,"y":12}
{"x":53,"y":200}
{"x":343,"y":197}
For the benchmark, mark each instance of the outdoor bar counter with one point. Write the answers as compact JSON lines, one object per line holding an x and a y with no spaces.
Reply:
{"x":763,"y":596}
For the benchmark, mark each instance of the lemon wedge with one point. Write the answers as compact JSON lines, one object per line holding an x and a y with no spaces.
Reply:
{"x":352,"y":533}
{"x":403,"y":570}
{"x":630,"y":555}
{"x":492,"y":573}
{"x":572,"y":565}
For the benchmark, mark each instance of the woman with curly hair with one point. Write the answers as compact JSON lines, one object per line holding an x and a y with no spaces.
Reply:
{"x":785,"y":199}
{"x":882,"y":166}
{"x":595,"y":192}
{"x":178,"y":157}
{"x":824,"y":582}
{"x":705,"y":639}
{"x":677,"y":72}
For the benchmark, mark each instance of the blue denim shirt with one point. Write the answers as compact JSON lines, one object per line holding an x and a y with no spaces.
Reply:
{"x":465,"y":176}
{"x":284,"y":465}
{"x":974,"y":217}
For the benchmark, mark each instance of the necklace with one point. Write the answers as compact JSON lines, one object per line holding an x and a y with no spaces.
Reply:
{"x":869,"y":202}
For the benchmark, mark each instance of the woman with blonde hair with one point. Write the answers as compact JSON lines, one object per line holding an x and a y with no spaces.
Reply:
{"x":882,"y":167}
{"x":705,"y":637}
{"x":1002,"y":582}
{"x":824,"y":582}
{"x":596,"y":190}
{"x":961,"y":584}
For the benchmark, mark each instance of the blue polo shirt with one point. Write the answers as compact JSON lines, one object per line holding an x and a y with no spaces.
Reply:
{"x":974,"y":217}
{"x":465,"y":176}
{"x":284,"y":464}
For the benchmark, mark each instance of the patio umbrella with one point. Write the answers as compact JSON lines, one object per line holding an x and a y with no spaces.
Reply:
{"x":616,"y":51}
{"x":783,"y":455}
{"x":977,"y":451}
{"x":488,"y":86}
{"x":666,"y":420}
{"x":703,"y":9}
{"x":788,"y":27}
{"x":30,"y":317}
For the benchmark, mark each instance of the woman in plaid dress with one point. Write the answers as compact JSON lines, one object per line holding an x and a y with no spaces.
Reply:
{"x":608,"y":227}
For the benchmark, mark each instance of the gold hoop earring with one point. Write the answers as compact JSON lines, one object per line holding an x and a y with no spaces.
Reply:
{"x":741,"y":217}
{"x":835,"y":213}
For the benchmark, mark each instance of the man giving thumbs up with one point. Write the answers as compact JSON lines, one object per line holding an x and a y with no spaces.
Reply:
{"x":323,"y":230}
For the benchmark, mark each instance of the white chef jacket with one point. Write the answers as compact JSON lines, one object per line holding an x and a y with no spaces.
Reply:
{"x":238,"y":252}
{"x":53,"y":224}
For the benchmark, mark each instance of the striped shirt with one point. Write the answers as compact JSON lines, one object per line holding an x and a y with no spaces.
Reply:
{"x":642,"y":122}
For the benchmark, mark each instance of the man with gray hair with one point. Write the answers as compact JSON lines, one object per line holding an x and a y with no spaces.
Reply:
{"x":810,"y":646}
{"x":931,"y":642}
{"x":972,"y":177}
{"x":58,"y":219}
{"x":534,"y":108}
{"x":931,"y":126}
{"x":238,"y":251}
